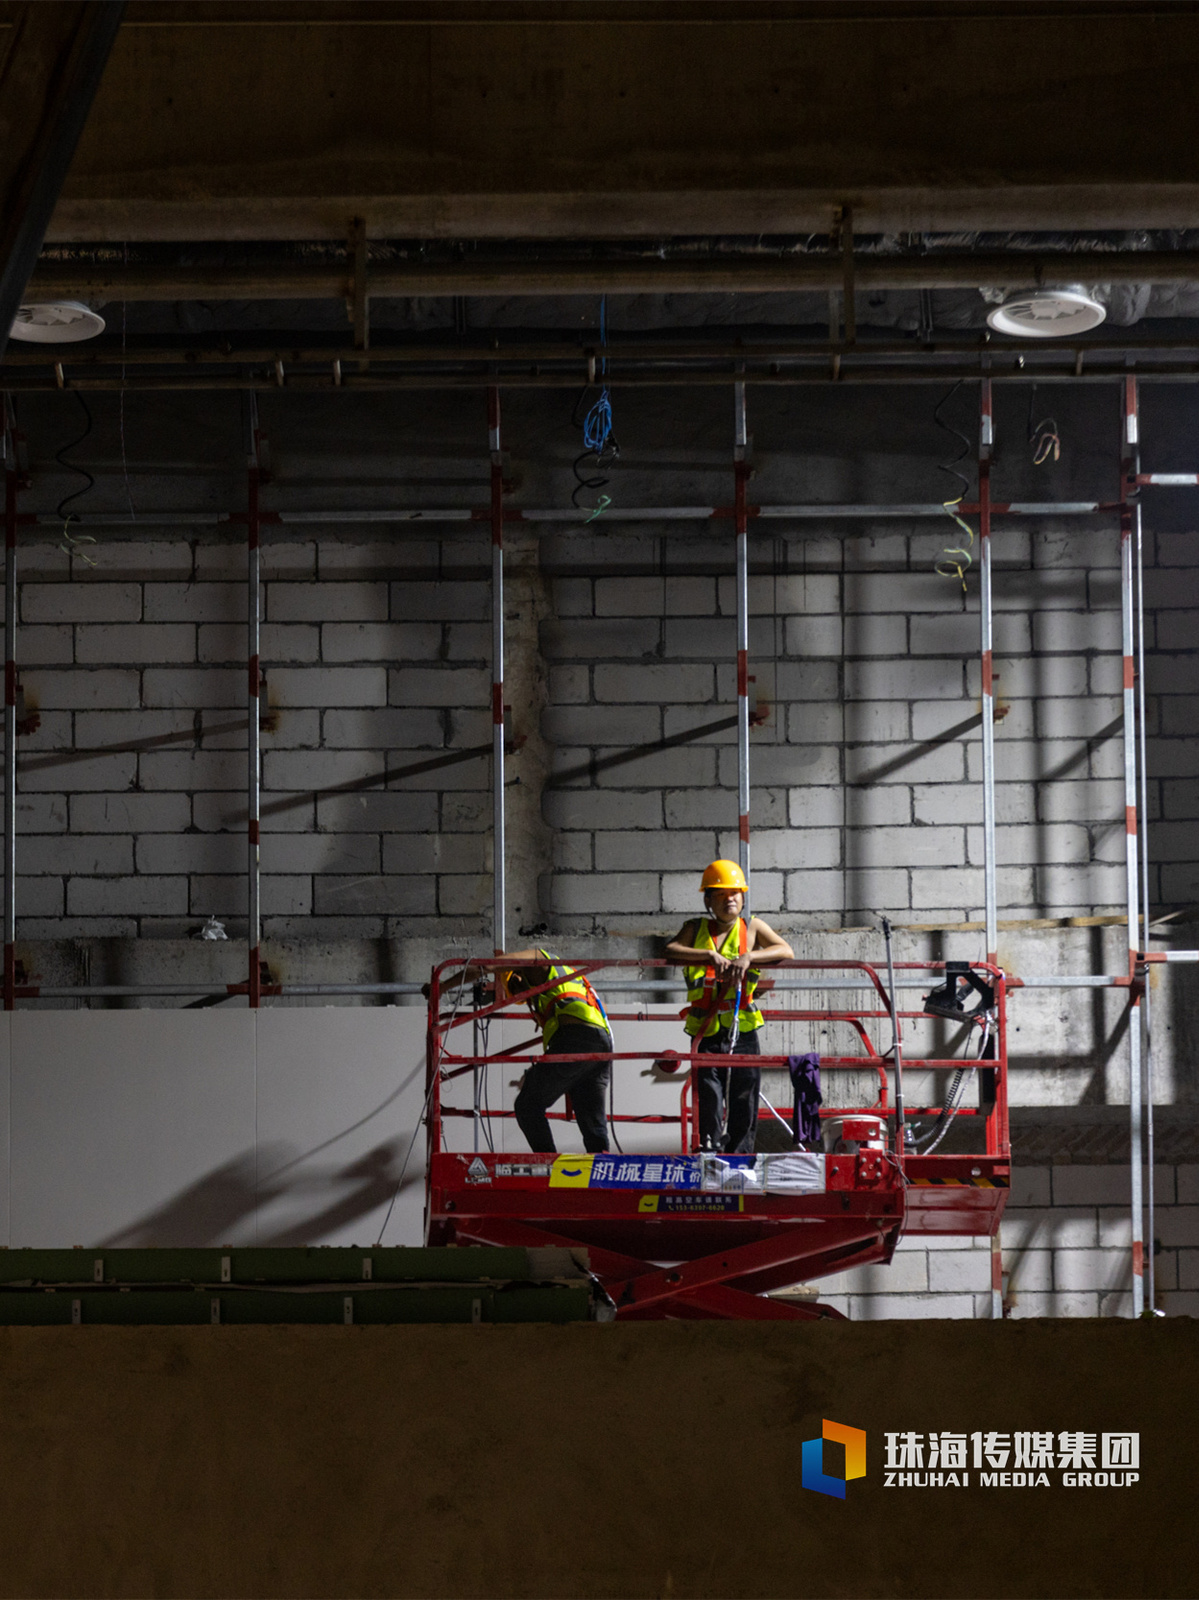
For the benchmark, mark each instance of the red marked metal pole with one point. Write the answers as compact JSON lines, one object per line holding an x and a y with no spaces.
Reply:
{"x":741,"y":522}
{"x":1130,"y":449}
{"x":253,"y":702}
{"x":10,"y":712}
{"x":986,"y":438}
{"x":498,"y":843}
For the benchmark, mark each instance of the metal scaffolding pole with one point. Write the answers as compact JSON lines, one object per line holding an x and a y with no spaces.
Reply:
{"x":10,"y":710}
{"x":1146,"y":1002}
{"x":1129,"y":453}
{"x":499,"y":845}
{"x":839,"y":511}
{"x":254,"y":736}
{"x":986,"y":439}
{"x":741,"y":523}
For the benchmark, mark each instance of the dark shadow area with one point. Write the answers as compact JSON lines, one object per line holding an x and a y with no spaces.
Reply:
{"x":194,"y":736}
{"x":203,"y":1213}
{"x":375,"y":779}
{"x":926,"y":747}
{"x":588,"y":769}
{"x":206,"y":1212}
{"x":374,"y":1178}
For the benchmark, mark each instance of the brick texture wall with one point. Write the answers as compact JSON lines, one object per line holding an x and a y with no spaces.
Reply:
{"x":1065,"y":1238}
{"x":865,"y":765}
{"x":865,"y":768}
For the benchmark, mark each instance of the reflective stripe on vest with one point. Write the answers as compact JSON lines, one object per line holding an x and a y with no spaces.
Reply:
{"x":572,"y":1001}
{"x":710,"y":1009}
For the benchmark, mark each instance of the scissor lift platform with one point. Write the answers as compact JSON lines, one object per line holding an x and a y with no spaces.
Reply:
{"x":684,"y":1233}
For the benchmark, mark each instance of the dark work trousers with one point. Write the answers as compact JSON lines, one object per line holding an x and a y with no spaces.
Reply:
{"x":738,"y":1085}
{"x":586,"y":1082}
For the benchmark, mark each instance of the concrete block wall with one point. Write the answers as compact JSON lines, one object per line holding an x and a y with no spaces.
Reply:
{"x":865,"y":770}
{"x":865,"y":766}
{"x":377,"y":813}
{"x":1066,"y":1253}
{"x":131,"y":792}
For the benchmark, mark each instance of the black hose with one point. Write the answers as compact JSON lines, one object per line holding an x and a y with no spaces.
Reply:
{"x":72,"y":466}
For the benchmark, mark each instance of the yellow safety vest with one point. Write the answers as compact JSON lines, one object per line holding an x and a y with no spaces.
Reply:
{"x":572,"y":1001}
{"x":710,"y":1010}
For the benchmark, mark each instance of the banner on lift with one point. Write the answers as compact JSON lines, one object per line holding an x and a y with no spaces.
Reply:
{"x":798,"y":1173}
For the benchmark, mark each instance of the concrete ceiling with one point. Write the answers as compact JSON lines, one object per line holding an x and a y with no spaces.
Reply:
{"x":362,"y":174}
{"x":637,"y":118}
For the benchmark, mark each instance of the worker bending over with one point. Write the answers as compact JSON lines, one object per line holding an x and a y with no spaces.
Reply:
{"x":724,"y":954}
{"x":572,"y":1022}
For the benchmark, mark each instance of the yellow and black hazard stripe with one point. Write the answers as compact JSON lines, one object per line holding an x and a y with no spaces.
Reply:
{"x":961,"y":1183}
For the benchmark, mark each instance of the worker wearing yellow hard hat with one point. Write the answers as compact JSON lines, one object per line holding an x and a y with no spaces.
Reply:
{"x":724,"y":952}
{"x":572,"y":1021}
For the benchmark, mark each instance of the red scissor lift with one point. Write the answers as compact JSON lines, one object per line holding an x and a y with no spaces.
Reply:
{"x":682,"y":1236}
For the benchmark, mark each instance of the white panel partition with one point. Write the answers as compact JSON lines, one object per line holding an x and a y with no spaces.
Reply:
{"x":150,"y":1127}
{"x":340,"y":1095}
{"x":132,"y":1128}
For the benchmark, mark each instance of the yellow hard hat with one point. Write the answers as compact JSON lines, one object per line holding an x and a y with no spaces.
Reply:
{"x":723,"y":875}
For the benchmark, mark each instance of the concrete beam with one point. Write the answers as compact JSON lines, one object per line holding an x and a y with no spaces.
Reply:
{"x":639,"y":119}
{"x":746,"y":274}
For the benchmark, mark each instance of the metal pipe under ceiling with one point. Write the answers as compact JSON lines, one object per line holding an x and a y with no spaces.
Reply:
{"x":723,"y":274}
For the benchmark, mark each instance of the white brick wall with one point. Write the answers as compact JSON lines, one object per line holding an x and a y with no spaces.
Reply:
{"x":881,"y":747}
{"x":1065,"y":1244}
{"x":865,"y":772}
{"x":365,"y":676}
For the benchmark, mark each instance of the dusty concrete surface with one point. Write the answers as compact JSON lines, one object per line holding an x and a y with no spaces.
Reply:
{"x":598,"y":1461}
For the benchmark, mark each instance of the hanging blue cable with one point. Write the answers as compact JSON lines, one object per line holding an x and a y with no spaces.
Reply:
{"x":599,"y":442}
{"x":597,"y":425}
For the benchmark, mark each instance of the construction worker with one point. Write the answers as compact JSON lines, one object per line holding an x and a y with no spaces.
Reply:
{"x":723,"y":954}
{"x":572,"y":1022}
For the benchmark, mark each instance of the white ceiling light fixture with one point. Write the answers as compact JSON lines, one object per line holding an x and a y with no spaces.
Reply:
{"x":56,"y":322}
{"x":1048,"y":313}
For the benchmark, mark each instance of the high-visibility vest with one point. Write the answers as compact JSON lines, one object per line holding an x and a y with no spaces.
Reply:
{"x":571,"y":1001}
{"x":711,"y":1009}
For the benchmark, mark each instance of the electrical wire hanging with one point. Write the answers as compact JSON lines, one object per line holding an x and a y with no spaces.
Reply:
{"x":1044,"y":436}
{"x":954,"y":559}
{"x":599,"y":441}
{"x":70,"y":543}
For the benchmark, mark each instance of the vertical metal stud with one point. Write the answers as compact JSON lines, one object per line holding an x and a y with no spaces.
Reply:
{"x":347,"y":1310}
{"x":214,"y":1311}
{"x":253,"y":708}
{"x":98,"y":1270}
{"x":1128,"y":488}
{"x":226,"y":1270}
{"x":76,"y":1312}
{"x":741,"y":520}
{"x":1147,"y":998}
{"x":986,"y":439}
{"x":10,"y":709}
{"x":499,"y":937}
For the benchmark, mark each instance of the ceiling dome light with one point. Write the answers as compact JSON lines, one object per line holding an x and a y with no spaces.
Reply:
{"x":1047,"y":313}
{"x":56,"y":322}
